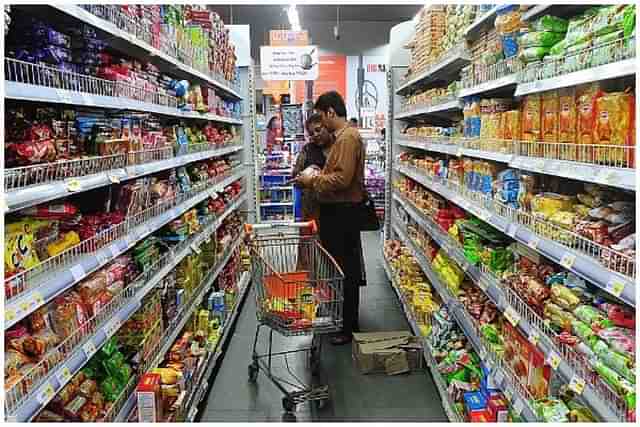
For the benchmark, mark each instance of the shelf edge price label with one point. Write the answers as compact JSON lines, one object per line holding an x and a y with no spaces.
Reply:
{"x":45,"y":394}
{"x":196,"y":248}
{"x":615,"y":286}
{"x":534,"y":337}
{"x":78,"y":272}
{"x":533,"y":242}
{"x":63,"y":375}
{"x":38,"y":298}
{"x":74,"y":185}
{"x":512,"y":316}
{"x":114,"y":179}
{"x":568,"y":260}
{"x":9,"y":315}
{"x":89,"y":348}
{"x":554,"y":360}
{"x":577,"y":384}
{"x":459,"y":152}
{"x":114,"y":250}
{"x":508,"y":393}
{"x":512,"y":229}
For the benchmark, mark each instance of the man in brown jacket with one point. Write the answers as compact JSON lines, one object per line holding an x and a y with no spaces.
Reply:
{"x":340,"y":189}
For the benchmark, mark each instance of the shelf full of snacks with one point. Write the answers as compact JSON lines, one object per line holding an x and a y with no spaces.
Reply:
{"x":124,"y":165}
{"x":81,"y":340}
{"x":151,"y":32}
{"x":535,"y":163}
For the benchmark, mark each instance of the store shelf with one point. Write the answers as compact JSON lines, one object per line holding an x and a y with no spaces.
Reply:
{"x":58,"y":274}
{"x":624,"y":68}
{"x":214,"y":358}
{"x":37,"y":93}
{"x":129,"y":43}
{"x":483,"y":22}
{"x":23,"y":197}
{"x":490,"y":86}
{"x":174,"y":330}
{"x":277,"y":188}
{"x":446,"y":67}
{"x":619,"y":177}
{"x":441,"y":385}
{"x":445,"y":107}
{"x":580,"y":263}
{"x":560,"y":10}
{"x":526,"y":320}
{"x":275,"y":204}
{"x":457,"y":311}
{"x":23,"y":409}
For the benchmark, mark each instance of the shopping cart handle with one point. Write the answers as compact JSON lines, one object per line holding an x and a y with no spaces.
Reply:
{"x":249,"y":228}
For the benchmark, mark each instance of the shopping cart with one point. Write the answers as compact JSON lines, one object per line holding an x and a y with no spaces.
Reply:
{"x":298,"y":292}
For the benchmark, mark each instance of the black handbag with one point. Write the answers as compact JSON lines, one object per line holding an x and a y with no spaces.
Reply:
{"x":368,"y":218}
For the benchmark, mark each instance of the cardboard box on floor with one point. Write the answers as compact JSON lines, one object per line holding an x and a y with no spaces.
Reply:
{"x":393,"y":352}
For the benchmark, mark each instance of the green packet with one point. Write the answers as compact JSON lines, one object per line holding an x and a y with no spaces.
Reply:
{"x":540,"y":38}
{"x":550,"y":23}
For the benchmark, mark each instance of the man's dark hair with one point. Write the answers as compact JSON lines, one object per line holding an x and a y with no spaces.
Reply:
{"x":313,"y":118}
{"x":331,"y":99}
{"x":353,"y":120}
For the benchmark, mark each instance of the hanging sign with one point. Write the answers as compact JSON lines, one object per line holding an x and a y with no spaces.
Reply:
{"x":289,"y":62}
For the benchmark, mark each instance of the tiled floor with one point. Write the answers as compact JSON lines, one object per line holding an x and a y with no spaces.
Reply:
{"x":354,"y":397}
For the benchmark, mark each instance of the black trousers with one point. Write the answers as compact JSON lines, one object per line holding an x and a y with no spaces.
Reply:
{"x":340,"y":236}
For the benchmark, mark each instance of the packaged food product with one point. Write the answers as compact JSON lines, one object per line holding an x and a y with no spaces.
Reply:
{"x":550,"y":116}
{"x":87,"y":388}
{"x":540,"y":38}
{"x":89,"y":413}
{"x":73,"y":408}
{"x":531,"y":118}
{"x":564,"y":297}
{"x":587,"y":115}
{"x":550,"y":23}
{"x":613,"y":125}
{"x":532,"y":54}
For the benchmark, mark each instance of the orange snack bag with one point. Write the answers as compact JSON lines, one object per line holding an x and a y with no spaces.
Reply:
{"x":550,"y":116}
{"x":531,"y":112}
{"x":568,"y":113}
{"x":613,"y":126}
{"x":587,"y":115}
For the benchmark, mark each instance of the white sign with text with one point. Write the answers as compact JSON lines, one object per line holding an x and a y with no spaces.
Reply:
{"x":289,"y":62}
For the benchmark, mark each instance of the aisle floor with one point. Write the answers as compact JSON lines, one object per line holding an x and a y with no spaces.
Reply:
{"x":354,"y":397}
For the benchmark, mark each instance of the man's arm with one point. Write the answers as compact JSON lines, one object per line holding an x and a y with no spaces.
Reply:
{"x":346,"y":157}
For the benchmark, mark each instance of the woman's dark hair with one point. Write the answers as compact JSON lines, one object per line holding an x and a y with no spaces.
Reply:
{"x":271,"y":120}
{"x":313,"y":118}
{"x":331,"y":99}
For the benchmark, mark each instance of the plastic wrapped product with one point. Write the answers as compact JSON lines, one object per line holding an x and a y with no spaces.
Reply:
{"x":550,"y":23}
{"x":613,"y":124}
{"x":540,"y":38}
{"x":532,"y":54}
{"x":587,"y":115}
{"x":531,"y":118}
{"x":550,"y":116}
{"x":619,"y":339}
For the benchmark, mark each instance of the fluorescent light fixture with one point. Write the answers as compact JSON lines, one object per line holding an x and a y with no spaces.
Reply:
{"x":294,"y":19}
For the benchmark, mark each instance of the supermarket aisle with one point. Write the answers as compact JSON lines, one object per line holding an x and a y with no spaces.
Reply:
{"x":355,"y":397}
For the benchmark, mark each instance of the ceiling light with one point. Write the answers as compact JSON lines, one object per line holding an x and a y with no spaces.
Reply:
{"x":294,"y":19}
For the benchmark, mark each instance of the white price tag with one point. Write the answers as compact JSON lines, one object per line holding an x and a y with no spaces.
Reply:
{"x":196,"y":248}
{"x":459,"y":152}
{"x":533,"y":242}
{"x":512,"y":316}
{"x":534,"y":337}
{"x":38,"y":299}
{"x":567,"y":260}
{"x":78,"y":272}
{"x":45,"y":394}
{"x":114,"y":179}
{"x":540,"y":165}
{"x":9,"y":315}
{"x":89,"y":349}
{"x":577,"y":384}
{"x":482,"y":354}
{"x":554,"y":360}
{"x":115,"y":251}
{"x":615,"y":286}
{"x":518,"y":406}
{"x":63,"y":374}
{"x":74,"y":185}
{"x":512,"y":229}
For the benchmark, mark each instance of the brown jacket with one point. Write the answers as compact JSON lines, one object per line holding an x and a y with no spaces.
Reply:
{"x":342,"y":179}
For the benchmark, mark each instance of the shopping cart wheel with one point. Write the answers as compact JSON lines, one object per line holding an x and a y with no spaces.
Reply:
{"x":288,"y":404}
{"x":253,"y":372}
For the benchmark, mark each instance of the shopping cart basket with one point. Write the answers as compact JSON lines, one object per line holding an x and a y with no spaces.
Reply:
{"x":298,"y":292}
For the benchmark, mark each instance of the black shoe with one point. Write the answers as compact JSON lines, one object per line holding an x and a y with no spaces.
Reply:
{"x":341,"y":339}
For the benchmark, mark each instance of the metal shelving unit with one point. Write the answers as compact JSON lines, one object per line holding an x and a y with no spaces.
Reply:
{"x":32,"y":185}
{"x":611,"y":271}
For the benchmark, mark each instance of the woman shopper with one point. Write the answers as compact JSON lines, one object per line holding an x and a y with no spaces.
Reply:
{"x":314,"y":153}
{"x":340,"y":189}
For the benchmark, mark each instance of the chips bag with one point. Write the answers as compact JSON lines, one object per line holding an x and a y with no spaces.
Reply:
{"x":550,"y":116}
{"x":613,"y":125}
